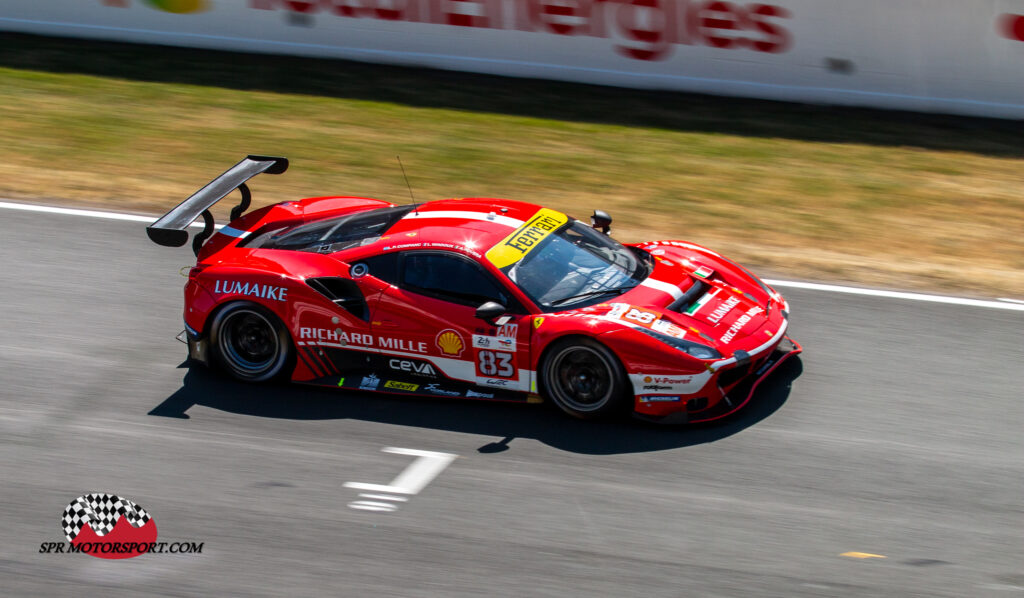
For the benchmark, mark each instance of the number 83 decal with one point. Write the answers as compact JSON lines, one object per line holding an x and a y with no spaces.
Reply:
{"x":495,"y":364}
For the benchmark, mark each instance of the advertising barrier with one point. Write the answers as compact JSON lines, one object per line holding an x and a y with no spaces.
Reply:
{"x":928,"y":55}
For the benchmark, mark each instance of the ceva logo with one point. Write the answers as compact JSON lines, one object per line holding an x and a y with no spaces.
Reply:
{"x":174,"y":6}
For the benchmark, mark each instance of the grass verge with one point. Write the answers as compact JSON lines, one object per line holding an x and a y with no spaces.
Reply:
{"x":893,"y":199}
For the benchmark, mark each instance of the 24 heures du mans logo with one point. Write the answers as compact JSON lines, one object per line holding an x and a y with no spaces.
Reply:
{"x":108,"y":526}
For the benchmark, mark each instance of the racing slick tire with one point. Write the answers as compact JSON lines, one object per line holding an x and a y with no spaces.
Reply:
{"x":585,"y":379}
{"x":250,"y":343}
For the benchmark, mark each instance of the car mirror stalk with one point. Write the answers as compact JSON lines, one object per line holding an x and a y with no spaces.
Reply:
{"x":493,"y":313}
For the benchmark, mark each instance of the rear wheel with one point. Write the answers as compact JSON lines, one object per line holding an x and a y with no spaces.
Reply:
{"x":250,"y":342}
{"x":585,"y":379}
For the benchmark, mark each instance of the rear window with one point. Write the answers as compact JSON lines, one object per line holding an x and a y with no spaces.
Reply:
{"x":334,"y":234}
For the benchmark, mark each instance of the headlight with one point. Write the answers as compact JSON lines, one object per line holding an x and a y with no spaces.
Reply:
{"x":689,"y":347}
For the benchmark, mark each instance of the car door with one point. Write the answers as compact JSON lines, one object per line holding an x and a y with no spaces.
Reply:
{"x":430,"y":339}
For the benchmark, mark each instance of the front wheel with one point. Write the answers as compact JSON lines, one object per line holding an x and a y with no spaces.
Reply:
{"x":585,"y":379}
{"x":250,"y":342}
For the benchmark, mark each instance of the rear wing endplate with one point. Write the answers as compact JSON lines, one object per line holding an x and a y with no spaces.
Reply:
{"x":171,"y":229}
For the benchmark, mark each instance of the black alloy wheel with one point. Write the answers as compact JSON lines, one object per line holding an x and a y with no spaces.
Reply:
{"x":584,"y":378}
{"x":250,"y":342}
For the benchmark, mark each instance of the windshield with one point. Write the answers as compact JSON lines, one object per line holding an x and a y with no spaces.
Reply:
{"x":576,"y":266}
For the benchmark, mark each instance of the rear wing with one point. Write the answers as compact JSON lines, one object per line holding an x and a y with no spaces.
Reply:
{"x":171,"y":229}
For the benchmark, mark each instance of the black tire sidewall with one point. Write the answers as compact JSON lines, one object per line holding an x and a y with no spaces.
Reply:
{"x":620,"y":397}
{"x":285,"y":354}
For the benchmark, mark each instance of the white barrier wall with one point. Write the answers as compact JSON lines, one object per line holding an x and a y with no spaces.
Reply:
{"x":954,"y":56}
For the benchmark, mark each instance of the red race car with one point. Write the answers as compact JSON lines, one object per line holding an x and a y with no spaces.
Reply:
{"x":477,"y":298}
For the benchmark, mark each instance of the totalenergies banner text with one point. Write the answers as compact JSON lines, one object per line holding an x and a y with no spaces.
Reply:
{"x":647,"y":29}
{"x":941,"y":55}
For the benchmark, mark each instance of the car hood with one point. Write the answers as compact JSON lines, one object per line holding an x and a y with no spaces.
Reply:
{"x":696,"y":294}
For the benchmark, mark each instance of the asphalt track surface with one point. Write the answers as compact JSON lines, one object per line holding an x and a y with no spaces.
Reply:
{"x":899,"y":433}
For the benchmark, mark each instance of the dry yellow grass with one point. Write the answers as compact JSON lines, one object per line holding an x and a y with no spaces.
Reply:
{"x":927,"y":203}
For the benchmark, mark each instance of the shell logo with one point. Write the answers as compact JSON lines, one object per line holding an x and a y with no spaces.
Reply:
{"x":179,"y":6}
{"x":449,"y":342}
{"x":647,"y":379}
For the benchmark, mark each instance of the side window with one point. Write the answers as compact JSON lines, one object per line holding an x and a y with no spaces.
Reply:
{"x":452,"y":278}
{"x":384,"y":267}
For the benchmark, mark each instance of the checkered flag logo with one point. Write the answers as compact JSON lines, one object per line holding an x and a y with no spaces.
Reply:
{"x":101,"y":512}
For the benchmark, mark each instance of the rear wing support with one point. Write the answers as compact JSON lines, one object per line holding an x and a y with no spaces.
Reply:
{"x":171,"y":229}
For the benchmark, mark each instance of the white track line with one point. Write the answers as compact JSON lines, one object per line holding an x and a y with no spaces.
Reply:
{"x":1003,"y":303}
{"x":831,"y":288}
{"x":26,"y":207}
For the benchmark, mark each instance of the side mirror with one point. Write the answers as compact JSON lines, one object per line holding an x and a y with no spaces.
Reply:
{"x":489,"y":311}
{"x":601,"y":221}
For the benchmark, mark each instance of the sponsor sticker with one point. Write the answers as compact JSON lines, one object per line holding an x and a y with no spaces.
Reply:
{"x":406,"y":386}
{"x":660,"y":399}
{"x":450,"y":342}
{"x":537,"y":322}
{"x":493,"y":342}
{"x":250,"y":289}
{"x":669,"y":384}
{"x":472,"y":394}
{"x":524,"y":239}
{"x":339,"y":336}
{"x":413,"y":367}
{"x":668,"y":328}
{"x":722,"y":309}
{"x":437,"y":390}
{"x":401,"y":344}
{"x":370,"y":382}
{"x":740,"y":323}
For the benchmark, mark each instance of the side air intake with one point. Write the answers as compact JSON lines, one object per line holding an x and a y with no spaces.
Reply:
{"x":344,"y":293}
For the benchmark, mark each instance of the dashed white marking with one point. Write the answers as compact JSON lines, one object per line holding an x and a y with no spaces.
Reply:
{"x":369,"y":505}
{"x":1007,"y":304}
{"x":427,"y":466}
{"x":385,"y":497}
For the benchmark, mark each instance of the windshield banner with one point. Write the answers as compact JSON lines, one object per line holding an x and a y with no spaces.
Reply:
{"x":525,"y":238}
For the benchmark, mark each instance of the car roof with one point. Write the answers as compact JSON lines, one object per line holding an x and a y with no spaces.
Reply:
{"x":470,"y":225}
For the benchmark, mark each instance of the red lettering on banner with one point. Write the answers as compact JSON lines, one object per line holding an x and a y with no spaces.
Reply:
{"x":778,"y":37}
{"x":650,"y":23}
{"x":717,"y":17}
{"x":1011,"y":26}
{"x":565,"y":17}
{"x":643,"y":29}
{"x":397,"y":10}
{"x":473,"y":13}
